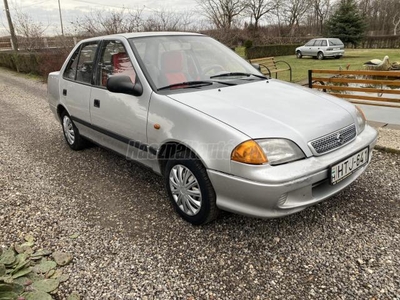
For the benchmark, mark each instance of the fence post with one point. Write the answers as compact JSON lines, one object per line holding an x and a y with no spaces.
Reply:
{"x":310,"y":79}
{"x":46,"y":43}
{"x":75,"y":40}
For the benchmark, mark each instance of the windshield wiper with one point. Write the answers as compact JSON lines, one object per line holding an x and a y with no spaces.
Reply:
{"x":186,"y":84}
{"x":238,"y":74}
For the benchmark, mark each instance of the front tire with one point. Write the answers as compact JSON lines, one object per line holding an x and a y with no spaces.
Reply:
{"x":189,"y":189}
{"x":320,"y":56}
{"x":71,"y":134}
{"x":298,"y":54}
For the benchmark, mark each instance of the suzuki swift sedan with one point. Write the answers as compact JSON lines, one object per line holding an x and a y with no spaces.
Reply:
{"x":220,"y":134}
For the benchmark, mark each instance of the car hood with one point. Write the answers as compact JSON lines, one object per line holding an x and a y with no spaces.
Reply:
{"x":273,"y":108}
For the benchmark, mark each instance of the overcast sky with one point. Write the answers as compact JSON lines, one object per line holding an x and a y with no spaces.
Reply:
{"x":46,"y":11}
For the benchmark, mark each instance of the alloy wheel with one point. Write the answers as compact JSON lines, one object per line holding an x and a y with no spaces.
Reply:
{"x":68,"y":130}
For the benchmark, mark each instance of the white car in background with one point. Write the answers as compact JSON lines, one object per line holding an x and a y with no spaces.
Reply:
{"x":321,"y":48}
{"x":220,"y":133}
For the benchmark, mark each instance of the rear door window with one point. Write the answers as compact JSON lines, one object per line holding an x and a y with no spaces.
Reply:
{"x":80,"y":66}
{"x":317,"y":43}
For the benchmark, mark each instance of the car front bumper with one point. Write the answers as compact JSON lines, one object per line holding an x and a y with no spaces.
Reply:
{"x":270,"y":192}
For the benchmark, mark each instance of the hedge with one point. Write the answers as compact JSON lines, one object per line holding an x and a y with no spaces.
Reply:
{"x":270,"y":50}
{"x":38,"y":63}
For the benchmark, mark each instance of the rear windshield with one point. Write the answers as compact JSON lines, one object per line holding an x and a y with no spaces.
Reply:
{"x":335,"y":42}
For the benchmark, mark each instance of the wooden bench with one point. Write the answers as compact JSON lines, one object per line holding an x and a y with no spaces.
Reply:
{"x":269,"y":66}
{"x":380,"y":88}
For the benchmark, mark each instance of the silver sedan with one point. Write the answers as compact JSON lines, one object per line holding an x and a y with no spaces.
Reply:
{"x":222,"y":136}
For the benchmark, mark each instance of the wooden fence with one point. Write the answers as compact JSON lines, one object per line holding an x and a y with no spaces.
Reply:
{"x":381,"y":88}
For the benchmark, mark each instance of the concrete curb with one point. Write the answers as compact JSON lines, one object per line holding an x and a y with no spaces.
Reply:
{"x":387,"y":149}
{"x":389,"y":137}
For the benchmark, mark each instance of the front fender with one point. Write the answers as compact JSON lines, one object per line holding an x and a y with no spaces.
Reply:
{"x":211,"y":140}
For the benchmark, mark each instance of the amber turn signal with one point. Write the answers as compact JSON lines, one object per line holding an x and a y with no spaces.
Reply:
{"x":249,"y":152}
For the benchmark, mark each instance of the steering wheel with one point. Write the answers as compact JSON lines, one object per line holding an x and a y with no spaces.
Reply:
{"x":215,"y":68}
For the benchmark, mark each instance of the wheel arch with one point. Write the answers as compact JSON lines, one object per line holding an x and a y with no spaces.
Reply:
{"x":60,"y":110}
{"x":170,"y":148}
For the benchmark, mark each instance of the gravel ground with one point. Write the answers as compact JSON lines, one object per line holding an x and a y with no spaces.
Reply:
{"x":132,"y":245}
{"x":389,"y":139}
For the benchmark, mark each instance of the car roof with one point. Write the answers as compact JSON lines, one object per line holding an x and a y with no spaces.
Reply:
{"x":142,"y":34}
{"x":326,"y":39}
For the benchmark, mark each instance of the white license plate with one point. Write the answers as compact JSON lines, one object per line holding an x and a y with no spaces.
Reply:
{"x":348,"y":166}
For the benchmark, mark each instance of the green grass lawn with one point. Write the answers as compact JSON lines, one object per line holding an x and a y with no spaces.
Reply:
{"x":353,"y":57}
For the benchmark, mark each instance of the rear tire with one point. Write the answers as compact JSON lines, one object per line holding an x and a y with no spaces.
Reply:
{"x":71,"y":134}
{"x":320,"y":56}
{"x":298,"y":54}
{"x":189,"y":189}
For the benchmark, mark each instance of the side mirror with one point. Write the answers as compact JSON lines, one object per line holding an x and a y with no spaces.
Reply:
{"x":257,"y":66}
{"x":124,"y":85}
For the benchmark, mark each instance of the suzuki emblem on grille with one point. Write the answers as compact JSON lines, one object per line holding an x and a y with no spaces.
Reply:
{"x":339,"y":139}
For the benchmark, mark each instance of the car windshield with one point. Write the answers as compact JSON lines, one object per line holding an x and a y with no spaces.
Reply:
{"x":177,"y":60}
{"x":335,"y":42}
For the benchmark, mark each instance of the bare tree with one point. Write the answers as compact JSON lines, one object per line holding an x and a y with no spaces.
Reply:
{"x":293,"y":11}
{"x":396,"y":22}
{"x":166,"y":20}
{"x":222,"y":13}
{"x":31,"y":31}
{"x":321,"y":10}
{"x":381,"y":15}
{"x":259,"y":8}
{"x":110,"y":22}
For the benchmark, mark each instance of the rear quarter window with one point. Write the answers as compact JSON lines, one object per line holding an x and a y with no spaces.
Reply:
{"x":335,"y":42}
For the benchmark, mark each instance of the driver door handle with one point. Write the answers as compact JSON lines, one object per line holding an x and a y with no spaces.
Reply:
{"x":96,"y":103}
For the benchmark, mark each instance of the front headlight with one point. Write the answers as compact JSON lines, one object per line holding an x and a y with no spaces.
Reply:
{"x":360,"y":119}
{"x":280,"y":151}
{"x":273,"y":151}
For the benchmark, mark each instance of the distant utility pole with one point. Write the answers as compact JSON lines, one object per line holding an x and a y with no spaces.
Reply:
{"x":59,"y":9}
{"x":11,"y":27}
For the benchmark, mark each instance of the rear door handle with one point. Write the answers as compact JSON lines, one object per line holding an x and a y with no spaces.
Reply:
{"x":96,"y":103}
{"x":64,"y":92}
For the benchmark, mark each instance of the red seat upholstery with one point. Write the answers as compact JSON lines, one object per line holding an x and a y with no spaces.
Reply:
{"x":122,"y":65}
{"x":172,"y":67}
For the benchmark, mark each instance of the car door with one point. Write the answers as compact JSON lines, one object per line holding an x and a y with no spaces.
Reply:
{"x":118,"y":120}
{"x":77,"y":81}
{"x":308,"y":47}
{"x":324,"y":45}
{"x":315,"y":48}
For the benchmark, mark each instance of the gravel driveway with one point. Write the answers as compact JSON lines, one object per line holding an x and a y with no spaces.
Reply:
{"x":132,"y":245}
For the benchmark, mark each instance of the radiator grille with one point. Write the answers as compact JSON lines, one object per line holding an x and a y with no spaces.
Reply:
{"x":334,"y":140}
